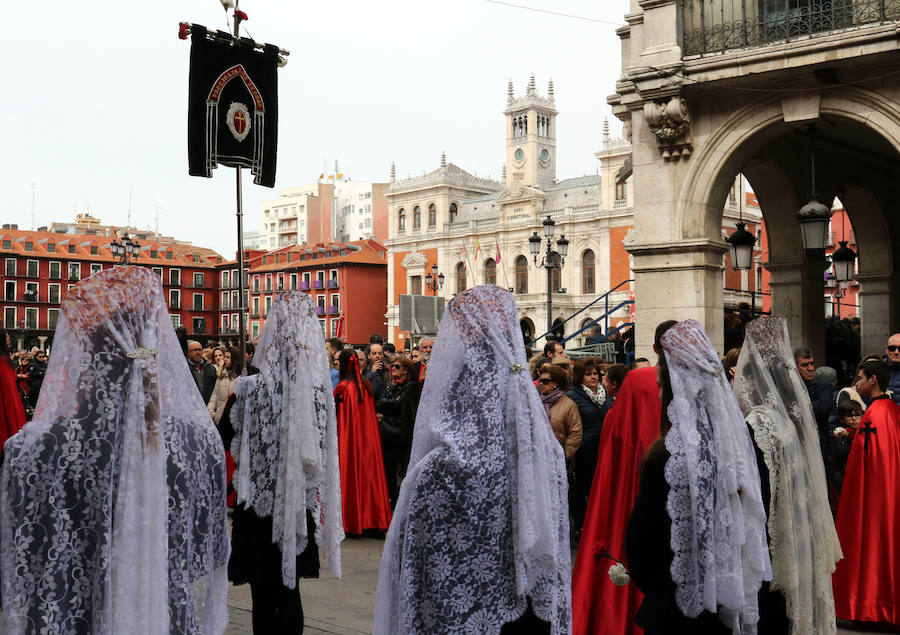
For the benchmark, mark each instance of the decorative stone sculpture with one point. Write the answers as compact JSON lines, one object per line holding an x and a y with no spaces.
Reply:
{"x":670,"y":121}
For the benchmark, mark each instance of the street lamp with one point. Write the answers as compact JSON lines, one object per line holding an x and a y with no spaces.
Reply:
{"x":842,"y":259}
{"x":814,"y":216}
{"x":434,"y":280}
{"x":125,"y":250}
{"x":741,"y":242}
{"x":552,"y":259}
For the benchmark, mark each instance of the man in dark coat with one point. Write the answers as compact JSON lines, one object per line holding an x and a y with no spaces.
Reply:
{"x":204,"y":373}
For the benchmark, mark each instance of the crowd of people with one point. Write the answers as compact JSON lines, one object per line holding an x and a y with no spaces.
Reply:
{"x":706,"y":494}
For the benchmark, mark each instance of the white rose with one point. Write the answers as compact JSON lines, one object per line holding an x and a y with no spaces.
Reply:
{"x":619,"y":574}
{"x":840,"y":432}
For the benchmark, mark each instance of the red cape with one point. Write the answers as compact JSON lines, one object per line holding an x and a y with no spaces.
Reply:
{"x":599,"y":606}
{"x":867,"y":580}
{"x":12,"y":412}
{"x":363,"y":485}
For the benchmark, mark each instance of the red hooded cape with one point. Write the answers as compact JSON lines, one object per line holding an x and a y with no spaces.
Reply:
{"x":599,"y":606}
{"x":363,"y":484}
{"x":867,"y":580}
{"x":12,"y":412}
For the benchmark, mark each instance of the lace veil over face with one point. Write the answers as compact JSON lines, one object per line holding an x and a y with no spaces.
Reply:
{"x":803,"y":540}
{"x":481,"y":522}
{"x":112,"y":500}
{"x":718,"y":534}
{"x":285,"y":442}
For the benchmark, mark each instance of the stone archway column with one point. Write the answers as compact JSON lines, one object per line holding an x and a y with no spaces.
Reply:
{"x":798,"y":293}
{"x":677,"y":282}
{"x":875,"y":312}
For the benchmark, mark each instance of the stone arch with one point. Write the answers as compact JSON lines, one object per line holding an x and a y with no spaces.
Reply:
{"x":736,"y":146}
{"x":527,"y":327}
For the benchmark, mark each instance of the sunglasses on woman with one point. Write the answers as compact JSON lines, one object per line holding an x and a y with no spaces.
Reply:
{"x":544,"y":381}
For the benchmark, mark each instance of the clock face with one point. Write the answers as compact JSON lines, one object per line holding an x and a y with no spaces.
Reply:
{"x":519,"y":155}
{"x":545,"y":155}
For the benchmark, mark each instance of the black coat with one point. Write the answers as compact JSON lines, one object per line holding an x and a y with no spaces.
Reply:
{"x":205,"y":378}
{"x":398,"y":406}
{"x":592,"y":416}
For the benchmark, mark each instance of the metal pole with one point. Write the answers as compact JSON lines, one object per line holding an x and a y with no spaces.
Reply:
{"x":240,"y":235}
{"x":549,"y":266}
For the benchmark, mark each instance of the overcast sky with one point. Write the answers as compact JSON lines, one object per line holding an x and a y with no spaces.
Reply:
{"x":94,"y":99}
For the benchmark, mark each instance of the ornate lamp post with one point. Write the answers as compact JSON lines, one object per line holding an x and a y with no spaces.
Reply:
{"x":434,"y":280}
{"x":125,"y":250}
{"x":552,"y":259}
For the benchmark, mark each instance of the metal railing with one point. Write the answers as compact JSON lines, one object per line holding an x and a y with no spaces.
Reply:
{"x":713,"y":26}
{"x":605,"y":316}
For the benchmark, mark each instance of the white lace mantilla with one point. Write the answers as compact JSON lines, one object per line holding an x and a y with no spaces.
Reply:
{"x":802,"y":538}
{"x":718,"y":534}
{"x":112,"y":500}
{"x":285,"y":443}
{"x":481,"y":524}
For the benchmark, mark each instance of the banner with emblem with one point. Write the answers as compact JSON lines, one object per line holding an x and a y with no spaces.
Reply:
{"x":232,"y":105}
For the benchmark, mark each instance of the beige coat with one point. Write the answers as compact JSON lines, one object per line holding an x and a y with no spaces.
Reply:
{"x":224,"y":387}
{"x":566,"y":423}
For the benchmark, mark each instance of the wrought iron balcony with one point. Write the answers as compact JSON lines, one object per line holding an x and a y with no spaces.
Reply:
{"x":714,"y":26}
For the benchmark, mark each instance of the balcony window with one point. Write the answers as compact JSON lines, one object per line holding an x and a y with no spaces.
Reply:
{"x":175,"y":277}
{"x":198,"y":280}
{"x":31,"y":269}
{"x":9,"y":318}
{"x":74,"y":271}
{"x":31,"y":319}
{"x":198,"y":301}
{"x":55,"y":271}
{"x":52,"y":318}
{"x":10,"y":266}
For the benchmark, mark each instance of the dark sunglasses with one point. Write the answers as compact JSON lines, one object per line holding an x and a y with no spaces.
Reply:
{"x":893,"y":349}
{"x":544,"y":381}
{"x":397,"y":367}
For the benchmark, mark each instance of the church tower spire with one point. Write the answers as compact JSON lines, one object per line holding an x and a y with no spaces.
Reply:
{"x":530,"y":137}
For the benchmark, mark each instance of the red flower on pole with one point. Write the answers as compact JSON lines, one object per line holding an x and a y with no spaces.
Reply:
{"x":240,"y":15}
{"x":184,"y":30}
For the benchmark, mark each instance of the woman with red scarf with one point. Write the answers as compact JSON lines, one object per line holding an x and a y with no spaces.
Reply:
{"x":363,"y":484}
{"x":12,"y":412}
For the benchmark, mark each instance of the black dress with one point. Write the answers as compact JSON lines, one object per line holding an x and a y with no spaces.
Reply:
{"x":649,"y":557}
{"x":257,"y":561}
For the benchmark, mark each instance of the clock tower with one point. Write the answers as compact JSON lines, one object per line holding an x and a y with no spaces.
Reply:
{"x":530,"y":137}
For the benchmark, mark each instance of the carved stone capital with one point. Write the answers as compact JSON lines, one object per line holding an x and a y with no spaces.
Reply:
{"x":670,"y":121}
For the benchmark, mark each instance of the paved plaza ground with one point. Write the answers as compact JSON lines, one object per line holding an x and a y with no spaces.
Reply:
{"x":342,"y":606}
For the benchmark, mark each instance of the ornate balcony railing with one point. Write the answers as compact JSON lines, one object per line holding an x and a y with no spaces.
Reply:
{"x":714,"y":26}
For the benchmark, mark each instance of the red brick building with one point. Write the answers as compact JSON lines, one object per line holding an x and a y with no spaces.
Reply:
{"x":348,"y":282}
{"x":39,"y":268}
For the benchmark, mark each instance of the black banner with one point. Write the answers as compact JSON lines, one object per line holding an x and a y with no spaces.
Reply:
{"x":232,"y":105}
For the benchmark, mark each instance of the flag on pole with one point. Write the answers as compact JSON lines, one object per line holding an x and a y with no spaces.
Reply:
{"x":477,"y":248}
{"x":498,"y":251}
{"x":232,"y":105}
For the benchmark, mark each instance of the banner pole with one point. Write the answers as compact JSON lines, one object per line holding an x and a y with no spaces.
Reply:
{"x":242,"y":325}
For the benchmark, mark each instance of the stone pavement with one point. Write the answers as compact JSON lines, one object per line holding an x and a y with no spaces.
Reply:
{"x":342,"y":606}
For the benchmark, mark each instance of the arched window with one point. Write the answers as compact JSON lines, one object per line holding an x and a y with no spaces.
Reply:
{"x":401,"y":220}
{"x":432,"y":215}
{"x":461,"y":277}
{"x":587,"y":271}
{"x":417,"y":218}
{"x":453,"y":210}
{"x":490,"y":271}
{"x":557,"y":278}
{"x":521,"y":274}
